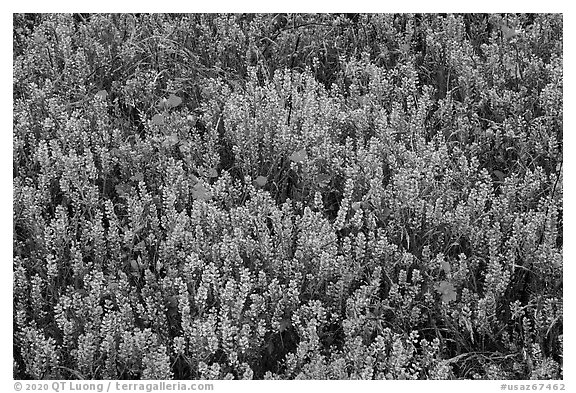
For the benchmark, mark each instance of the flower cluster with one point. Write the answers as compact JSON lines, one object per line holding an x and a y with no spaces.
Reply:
{"x":287,"y":196}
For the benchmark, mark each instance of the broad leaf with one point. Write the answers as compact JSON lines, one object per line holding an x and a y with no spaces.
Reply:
{"x":323,"y":180}
{"x":135,"y":266}
{"x":285,"y":324}
{"x":102,"y":94}
{"x":138,"y":177}
{"x":447,"y":291}
{"x":499,"y":175}
{"x":261,"y":181}
{"x":298,"y":156}
{"x":508,"y":32}
{"x":173,"y":101}
{"x":385,"y":212}
{"x":445,"y":265}
{"x":212,"y":172}
{"x":158,"y":119}
{"x":170,"y":140}
{"x":200,"y":192}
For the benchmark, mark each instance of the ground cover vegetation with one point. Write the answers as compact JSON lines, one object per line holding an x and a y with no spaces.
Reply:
{"x":287,"y":196}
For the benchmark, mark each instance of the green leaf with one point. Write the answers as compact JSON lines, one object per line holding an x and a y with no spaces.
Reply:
{"x":270,"y":347}
{"x":385,"y":212}
{"x":170,"y":141}
{"x":123,"y":189}
{"x":158,"y":119}
{"x":138,"y":177}
{"x":285,"y":324}
{"x":445,"y":265}
{"x":115,"y":152}
{"x":134,"y":265}
{"x":499,"y":175}
{"x":323,"y":180}
{"x":173,"y":101}
{"x":261,"y":180}
{"x":200,"y":192}
{"x":102,"y":94}
{"x":508,"y":32}
{"x":447,"y":291}
{"x":298,"y":156}
{"x":212,"y":172}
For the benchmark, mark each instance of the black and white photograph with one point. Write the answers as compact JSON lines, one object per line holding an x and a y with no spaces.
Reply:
{"x":287,"y":196}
